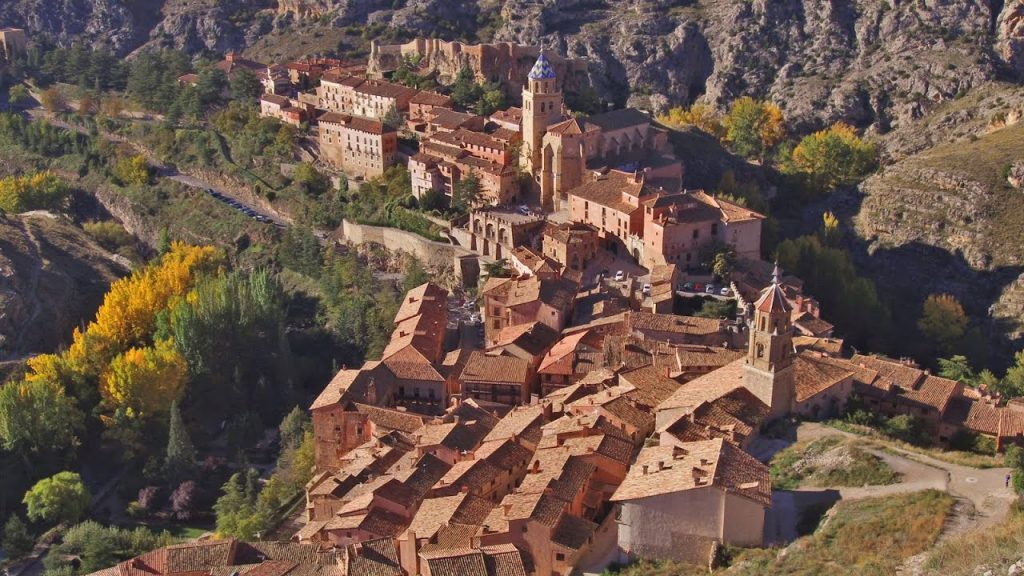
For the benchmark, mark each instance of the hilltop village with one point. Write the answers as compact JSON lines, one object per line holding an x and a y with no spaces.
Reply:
{"x":570,"y":420}
{"x":564,"y":410}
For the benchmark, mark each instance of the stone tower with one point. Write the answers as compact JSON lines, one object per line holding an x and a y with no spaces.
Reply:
{"x":768,"y":372}
{"x":542,"y":107}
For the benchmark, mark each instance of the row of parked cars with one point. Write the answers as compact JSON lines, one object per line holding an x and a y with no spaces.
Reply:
{"x":701,"y":288}
{"x":239,"y":206}
{"x":692,"y":287}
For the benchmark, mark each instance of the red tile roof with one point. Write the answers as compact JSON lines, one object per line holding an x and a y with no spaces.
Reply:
{"x":667,"y":469}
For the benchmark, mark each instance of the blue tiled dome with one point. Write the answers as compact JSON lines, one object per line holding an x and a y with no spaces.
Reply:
{"x":542,"y":69}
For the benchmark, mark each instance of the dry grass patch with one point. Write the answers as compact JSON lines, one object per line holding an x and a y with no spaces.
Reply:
{"x":866,"y":537}
{"x":991,"y":549}
{"x":829,"y":462}
{"x":870,"y":537}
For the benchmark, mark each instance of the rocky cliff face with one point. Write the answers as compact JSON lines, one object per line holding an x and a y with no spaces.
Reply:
{"x":878,"y":63}
{"x":52,"y":278}
{"x":947,"y":220}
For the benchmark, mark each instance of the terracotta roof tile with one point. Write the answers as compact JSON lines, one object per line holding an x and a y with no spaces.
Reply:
{"x":814,"y":374}
{"x":667,"y":469}
{"x":463,"y":508}
{"x":460,"y":562}
{"x":481,"y":367}
{"x":522,"y":421}
{"x":608,"y":191}
{"x":690,"y":325}
{"x":707,"y":387}
{"x":388,"y":419}
{"x":427,"y":98}
{"x":505,"y":560}
{"x":734,"y":417}
{"x":375,"y":558}
{"x":573,"y":532}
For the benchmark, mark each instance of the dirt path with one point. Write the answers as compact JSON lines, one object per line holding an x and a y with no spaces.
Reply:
{"x":985,"y":488}
{"x":982,"y":496}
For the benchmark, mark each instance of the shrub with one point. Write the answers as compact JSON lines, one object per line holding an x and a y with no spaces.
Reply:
{"x":39,"y":191}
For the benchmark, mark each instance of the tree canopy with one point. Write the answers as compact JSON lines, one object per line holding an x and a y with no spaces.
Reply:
{"x":943,"y":322}
{"x":753,"y":127}
{"x":60,"y":498}
{"x":833,"y":157}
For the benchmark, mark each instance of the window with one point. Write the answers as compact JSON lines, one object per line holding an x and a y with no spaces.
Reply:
{"x":760,"y":350}
{"x":696,"y":234}
{"x":523,"y":529}
{"x":560,"y":557}
{"x":714,"y":229}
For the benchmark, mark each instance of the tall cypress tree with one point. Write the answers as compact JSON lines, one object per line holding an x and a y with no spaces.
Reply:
{"x":181,"y":454}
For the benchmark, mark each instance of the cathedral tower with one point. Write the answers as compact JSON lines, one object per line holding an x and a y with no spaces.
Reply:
{"x":542,"y":107}
{"x":768,"y":372}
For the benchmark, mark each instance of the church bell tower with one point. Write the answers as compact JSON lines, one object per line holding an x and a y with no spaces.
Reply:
{"x":768,"y":372}
{"x":542,"y":107}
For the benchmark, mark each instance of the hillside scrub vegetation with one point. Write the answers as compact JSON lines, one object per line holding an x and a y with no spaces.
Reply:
{"x":991,"y":549}
{"x":867,"y":537}
{"x":828,"y":462}
{"x":39,"y":191}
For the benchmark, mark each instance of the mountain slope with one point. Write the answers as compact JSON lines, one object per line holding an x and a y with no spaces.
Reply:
{"x":52,"y":278}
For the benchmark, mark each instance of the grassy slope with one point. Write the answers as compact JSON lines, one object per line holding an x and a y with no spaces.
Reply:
{"x":861,"y":537}
{"x":983,"y":161}
{"x":992,"y":548}
{"x":791,"y":468}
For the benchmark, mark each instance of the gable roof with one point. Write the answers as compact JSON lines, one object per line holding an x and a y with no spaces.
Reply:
{"x":814,"y":374}
{"x":619,"y":119}
{"x":481,"y":367}
{"x":667,"y":469}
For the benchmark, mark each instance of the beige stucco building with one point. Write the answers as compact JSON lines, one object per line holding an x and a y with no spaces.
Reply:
{"x":359,"y":146}
{"x":679,"y":502}
{"x":677,"y":226}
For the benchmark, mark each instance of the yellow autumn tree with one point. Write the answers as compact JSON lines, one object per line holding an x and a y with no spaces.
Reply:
{"x":943,"y":322}
{"x":128,"y":313}
{"x":833,"y":157}
{"x":700,"y":116}
{"x":38,"y":191}
{"x":753,"y":127}
{"x":145,"y":381}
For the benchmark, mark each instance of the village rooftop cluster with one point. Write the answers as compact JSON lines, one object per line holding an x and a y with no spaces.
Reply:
{"x":577,"y":421}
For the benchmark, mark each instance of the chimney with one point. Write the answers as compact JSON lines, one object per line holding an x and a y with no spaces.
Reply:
{"x":661,"y":465}
{"x":507,"y":507}
{"x":643,"y":470}
{"x":464,"y":489}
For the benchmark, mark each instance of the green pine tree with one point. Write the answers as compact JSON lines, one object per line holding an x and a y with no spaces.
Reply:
{"x":17,"y":542}
{"x":181,"y":454}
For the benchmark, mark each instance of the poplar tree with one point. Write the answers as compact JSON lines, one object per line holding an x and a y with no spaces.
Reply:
{"x":181,"y":454}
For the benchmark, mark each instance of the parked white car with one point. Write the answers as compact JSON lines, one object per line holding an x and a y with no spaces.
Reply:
{"x":646,"y":290}
{"x":620,"y":276}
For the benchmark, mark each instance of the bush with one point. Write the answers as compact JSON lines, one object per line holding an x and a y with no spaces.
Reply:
{"x":17,"y":542}
{"x":39,"y":191}
{"x":60,"y":498}
{"x":109,"y":234}
{"x":132,"y":171}
{"x":907,"y":428}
